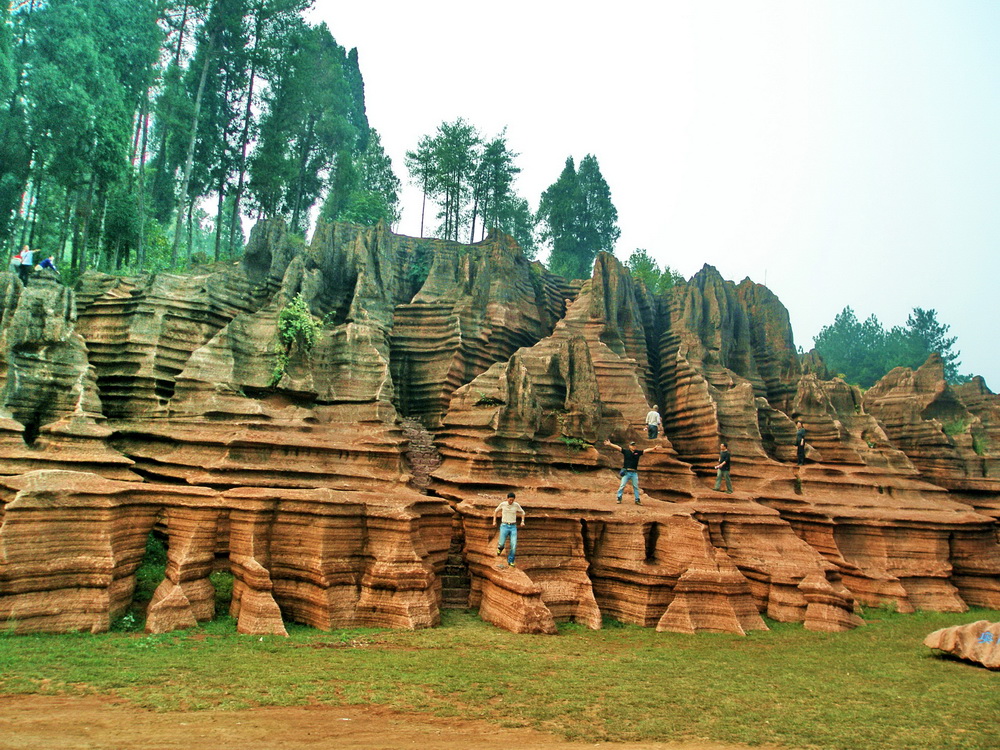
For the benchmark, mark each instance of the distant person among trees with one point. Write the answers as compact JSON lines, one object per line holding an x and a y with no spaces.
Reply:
{"x":27,"y":263}
{"x":630,"y":467}
{"x":508,"y":511}
{"x":722,"y":469}
{"x":800,"y":443}
{"x":653,"y":422}
{"x":49,"y":263}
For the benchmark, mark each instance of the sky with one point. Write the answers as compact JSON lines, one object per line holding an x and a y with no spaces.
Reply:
{"x":841,"y":152}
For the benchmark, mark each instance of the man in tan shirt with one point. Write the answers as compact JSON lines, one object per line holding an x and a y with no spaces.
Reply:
{"x":508,"y":511}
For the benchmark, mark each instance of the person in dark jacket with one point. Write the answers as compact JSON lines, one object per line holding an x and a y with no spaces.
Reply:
{"x":800,"y":443}
{"x":722,"y":469}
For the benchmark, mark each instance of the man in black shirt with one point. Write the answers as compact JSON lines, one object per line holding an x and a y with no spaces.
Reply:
{"x":722,"y":469}
{"x":630,"y":467}
{"x":800,"y":443}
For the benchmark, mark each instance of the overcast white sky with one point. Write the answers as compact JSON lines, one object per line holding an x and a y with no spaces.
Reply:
{"x":842,"y":152}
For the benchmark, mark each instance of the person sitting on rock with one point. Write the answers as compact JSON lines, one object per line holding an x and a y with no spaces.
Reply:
{"x":508,"y":511}
{"x":653,"y":422}
{"x":722,"y":469}
{"x":630,"y":467}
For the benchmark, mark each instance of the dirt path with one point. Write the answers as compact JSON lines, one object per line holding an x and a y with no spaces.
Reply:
{"x":93,"y":723}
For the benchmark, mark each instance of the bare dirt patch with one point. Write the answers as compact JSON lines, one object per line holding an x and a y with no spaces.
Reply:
{"x":94,"y":723}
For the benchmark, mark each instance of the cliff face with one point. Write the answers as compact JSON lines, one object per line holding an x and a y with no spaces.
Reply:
{"x":171,"y":405}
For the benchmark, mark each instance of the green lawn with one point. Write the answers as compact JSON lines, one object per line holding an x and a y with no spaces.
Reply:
{"x":873,"y":687}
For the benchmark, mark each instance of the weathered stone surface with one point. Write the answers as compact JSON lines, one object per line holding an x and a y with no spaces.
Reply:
{"x":927,"y":419}
{"x":168,"y":404}
{"x":977,"y":642}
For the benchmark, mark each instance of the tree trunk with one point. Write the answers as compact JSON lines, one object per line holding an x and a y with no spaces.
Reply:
{"x":244,"y":142}
{"x":218,"y":218}
{"x":306,"y":148}
{"x":140,"y":251}
{"x":189,"y":162}
{"x":64,"y":229}
{"x":190,"y":231}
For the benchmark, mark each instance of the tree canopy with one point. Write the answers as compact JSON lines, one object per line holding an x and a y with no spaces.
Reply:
{"x":644,"y":268}
{"x":120,"y":120}
{"x":577,"y":218}
{"x":471,"y":179}
{"x":863,"y":352}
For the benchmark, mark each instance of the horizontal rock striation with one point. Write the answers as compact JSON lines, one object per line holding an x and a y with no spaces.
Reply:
{"x":333,"y":425}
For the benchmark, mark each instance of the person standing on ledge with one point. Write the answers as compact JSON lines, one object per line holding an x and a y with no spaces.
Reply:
{"x":653,"y":423}
{"x":722,"y":469}
{"x":630,"y":467}
{"x":800,"y":443}
{"x":27,"y":264}
{"x":508,"y":511}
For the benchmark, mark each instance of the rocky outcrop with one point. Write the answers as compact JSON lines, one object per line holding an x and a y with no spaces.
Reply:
{"x":334,"y":424}
{"x":978,"y":642}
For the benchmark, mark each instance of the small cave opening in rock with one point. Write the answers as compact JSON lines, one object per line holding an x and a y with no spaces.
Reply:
{"x":31,"y":430}
{"x":148,"y":576}
{"x":222,"y":581}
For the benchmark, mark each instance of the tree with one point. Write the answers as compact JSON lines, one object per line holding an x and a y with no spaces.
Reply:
{"x":310,"y":122}
{"x":14,"y":156}
{"x":270,"y":24}
{"x":578,"y":218}
{"x":86,"y":67}
{"x":456,"y":153}
{"x":557,"y":214}
{"x":644,"y":268}
{"x":597,"y":214}
{"x":864,"y":352}
{"x":923,"y":336}
{"x":364,"y":190}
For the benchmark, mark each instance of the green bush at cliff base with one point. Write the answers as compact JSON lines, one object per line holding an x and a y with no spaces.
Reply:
{"x":873,"y":687}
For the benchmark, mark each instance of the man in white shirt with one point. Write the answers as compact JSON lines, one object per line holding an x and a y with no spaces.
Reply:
{"x":653,"y":423}
{"x":508,"y":511}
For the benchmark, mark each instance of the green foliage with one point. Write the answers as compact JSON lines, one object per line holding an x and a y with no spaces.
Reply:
{"x":151,"y":572}
{"x":310,"y":119}
{"x":222,"y":582}
{"x":364,"y":190}
{"x":575,"y":443}
{"x":472,"y":181}
{"x":578,"y":218}
{"x":297,"y":328}
{"x":420,"y":265}
{"x":644,"y":268}
{"x":864,"y":352}
{"x":955,"y":427}
{"x":979,"y":444}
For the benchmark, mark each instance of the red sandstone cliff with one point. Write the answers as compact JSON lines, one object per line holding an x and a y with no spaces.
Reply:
{"x":164,"y":403}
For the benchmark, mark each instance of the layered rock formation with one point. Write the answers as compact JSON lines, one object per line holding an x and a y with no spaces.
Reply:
{"x":259,"y":418}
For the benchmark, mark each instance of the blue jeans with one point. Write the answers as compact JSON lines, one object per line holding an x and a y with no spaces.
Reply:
{"x":508,"y":530}
{"x":629,"y":476}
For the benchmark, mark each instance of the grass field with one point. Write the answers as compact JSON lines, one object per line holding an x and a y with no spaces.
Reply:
{"x":873,"y":687}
